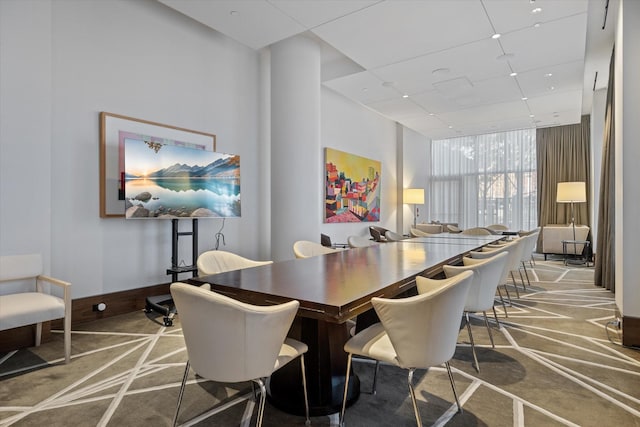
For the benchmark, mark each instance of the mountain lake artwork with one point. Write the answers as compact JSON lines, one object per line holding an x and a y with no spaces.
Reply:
{"x":165,"y":181}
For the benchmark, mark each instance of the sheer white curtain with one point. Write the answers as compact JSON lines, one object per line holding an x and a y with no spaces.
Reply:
{"x":484,"y":179}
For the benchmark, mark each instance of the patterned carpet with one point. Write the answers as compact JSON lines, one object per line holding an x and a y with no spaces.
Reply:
{"x":557,"y":361}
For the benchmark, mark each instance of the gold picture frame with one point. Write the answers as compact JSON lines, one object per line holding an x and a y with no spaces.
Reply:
{"x":113,"y":127}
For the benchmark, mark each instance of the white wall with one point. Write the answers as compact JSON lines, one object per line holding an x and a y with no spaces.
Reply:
{"x":349,"y":127}
{"x":415,"y":171}
{"x":65,"y":61}
{"x":627,"y":153}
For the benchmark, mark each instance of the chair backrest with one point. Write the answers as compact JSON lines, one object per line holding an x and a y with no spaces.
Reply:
{"x":360,"y":242}
{"x":416,"y":232}
{"x":393,"y":236}
{"x":16,"y":267}
{"x":430,"y":228}
{"x":228,"y":340}
{"x":477,"y":231}
{"x":325,"y":240}
{"x":306,"y":249}
{"x":498,"y":227}
{"x":530,"y":241}
{"x":377,"y":232}
{"x":513,"y":247}
{"x":486,"y":278}
{"x":453,"y":229}
{"x":213,"y":262}
{"x":424,"y":328}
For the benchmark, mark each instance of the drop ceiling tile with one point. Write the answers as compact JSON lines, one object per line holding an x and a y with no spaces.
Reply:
{"x":311,"y":13}
{"x":507,"y":16}
{"x":475,"y":61}
{"x":486,"y":113}
{"x":254,"y":23}
{"x":564,"y":77}
{"x":557,"y":101}
{"x":393,"y":31}
{"x":398,"y":109}
{"x":363,"y":87}
{"x":554,"y":43}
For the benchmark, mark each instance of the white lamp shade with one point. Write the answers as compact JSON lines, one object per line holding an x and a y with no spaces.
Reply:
{"x":413,"y":196}
{"x":571,"y":192}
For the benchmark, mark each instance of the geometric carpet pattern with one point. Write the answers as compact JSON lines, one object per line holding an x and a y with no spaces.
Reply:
{"x":557,"y":361}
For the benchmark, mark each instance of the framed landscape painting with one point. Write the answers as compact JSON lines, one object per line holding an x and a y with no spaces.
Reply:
{"x":352,"y":188}
{"x":114,"y":129}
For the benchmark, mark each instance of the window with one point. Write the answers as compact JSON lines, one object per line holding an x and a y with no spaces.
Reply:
{"x":487,"y":179}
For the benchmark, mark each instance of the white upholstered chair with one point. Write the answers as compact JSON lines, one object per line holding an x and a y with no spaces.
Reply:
{"x":415,"y":332}
{"x":230,"y":341}
{"x":306,"y":249}
{"x":416,"y":232}
{"x":360,"y":242}
{"x":213,"y":262}
{"x":392,"y":236}
{"x":476,"y":231}
{"x":482,"y":291}
{"x":37,"y":305}
{"x":528,"y":247}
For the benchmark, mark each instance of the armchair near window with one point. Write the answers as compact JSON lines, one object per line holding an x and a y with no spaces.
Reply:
{"x":28,"y":307}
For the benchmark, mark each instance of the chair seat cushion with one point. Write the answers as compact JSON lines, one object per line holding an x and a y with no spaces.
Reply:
{"x":28,"y":308}
{"x":290,"y":350}
{"x":373,"y":342}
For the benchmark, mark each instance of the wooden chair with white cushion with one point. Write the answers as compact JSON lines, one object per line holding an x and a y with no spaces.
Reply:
{"x":415,"y":332}
{"x":230,"y":341}
{"x":37,"y":305}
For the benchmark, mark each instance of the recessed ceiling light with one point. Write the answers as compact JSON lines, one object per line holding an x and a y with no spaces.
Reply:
{"x":405,"y":96}
{"x":450,"y":127}
{"x":552,"y":88}
{"x":431,"y":114}
{"x":531,"y":115}
{"x":513,"y":74}
{"x":537,"y":25}
{"x":524,"y":98}
{"x":536,"y":10}
{"x":548,"y":75}
{"x":496,"y":36}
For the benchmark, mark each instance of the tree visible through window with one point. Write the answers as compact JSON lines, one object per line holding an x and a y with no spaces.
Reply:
{"x":487,"y":179}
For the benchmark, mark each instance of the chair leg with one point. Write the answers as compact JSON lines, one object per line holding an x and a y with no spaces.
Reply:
{"x":524,"y":266}
{"x":473,"y":345}
{"x":263,"y":398}
{"x":524,"y":287}
{"x":486,"y":323}
{"x":306,"y":396}
{"x":495,"y":315}
{"x":375,"y":378}
{"x":453,"y":387}
{"x":38,"y":334}
{"x":504,"y":306}
{"x":413,"y":398}
{"x":346,"y":390}
{"x":515,"y":284}
{"x":181,"y":393}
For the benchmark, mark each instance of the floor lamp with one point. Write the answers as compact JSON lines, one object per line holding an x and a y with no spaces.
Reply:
{"x":572,"y":192}
{"x":414,"y":196}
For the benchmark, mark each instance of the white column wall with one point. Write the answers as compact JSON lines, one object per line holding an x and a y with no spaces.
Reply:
{"x":627,"y":154}
{"x":415,"y":172}
{"x":296,"y":161}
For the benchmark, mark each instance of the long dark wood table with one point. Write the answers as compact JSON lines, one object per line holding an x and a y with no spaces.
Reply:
{"x":332,"y":289}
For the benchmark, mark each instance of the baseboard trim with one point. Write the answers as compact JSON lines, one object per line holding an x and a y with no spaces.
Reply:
{"x":631,"y":331}
{"x":81,"y":312}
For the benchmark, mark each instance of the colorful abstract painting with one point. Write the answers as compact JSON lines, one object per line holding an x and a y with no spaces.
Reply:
{"x":352,"y":188}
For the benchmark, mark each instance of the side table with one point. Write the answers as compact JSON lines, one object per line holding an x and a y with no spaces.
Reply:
{"x":583,"y":257}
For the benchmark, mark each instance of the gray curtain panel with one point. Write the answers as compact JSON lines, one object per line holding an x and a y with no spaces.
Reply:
{"x":563,"y":154}
{"x":605,"y":250}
